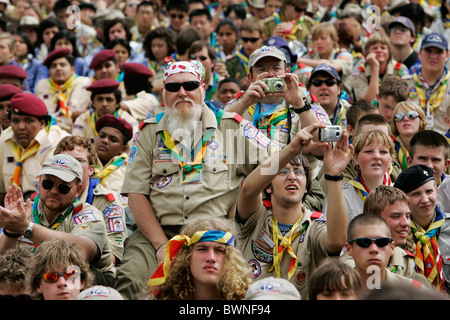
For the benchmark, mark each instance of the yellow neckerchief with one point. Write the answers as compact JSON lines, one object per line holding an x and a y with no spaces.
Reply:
{"x":92,"y":117}
{"x":402,"y":152}
{"x":20,"y":157}
{"x":435,"y":100}
{"x":62,"y":94}
{"x":110,"y":168}
{"x":285,"y":244}
{"x":428,"y":257}
{"x":274,"y":119}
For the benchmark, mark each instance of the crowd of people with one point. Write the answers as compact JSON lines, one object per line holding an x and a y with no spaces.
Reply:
{"x":224,"y":150}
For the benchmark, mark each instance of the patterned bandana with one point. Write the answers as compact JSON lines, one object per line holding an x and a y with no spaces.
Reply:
{"x":178,"y":242}
{"x":195,"y":67}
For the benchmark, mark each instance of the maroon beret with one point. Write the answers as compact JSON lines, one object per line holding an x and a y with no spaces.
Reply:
{"x":29,"y":104}
{"x":103,"y":86}
{"x":101,"y":57}
{"x":7,"y":91}
{"x":12,"y":71}
{"x":56,"y":54}
{"x":110,"y":120}
{"x":136,"y":70}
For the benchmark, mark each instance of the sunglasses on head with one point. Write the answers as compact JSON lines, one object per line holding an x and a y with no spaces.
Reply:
{"x":410,"y":114}
{"x":252,"y":40}
{"x":52,"y":277}
{"x":367,"y":242}
{"x":328,"y":82}
{"x":179,"y":16}
{"x":62,"y":187}
{"x":187,"y":86}
{"x":201,"y":58}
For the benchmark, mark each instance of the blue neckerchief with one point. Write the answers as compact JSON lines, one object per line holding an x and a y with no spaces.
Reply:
{"x":93,"y":182}
{"x":257,"y":116}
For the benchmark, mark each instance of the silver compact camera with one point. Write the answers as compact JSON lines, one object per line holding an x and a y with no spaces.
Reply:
{"x":274,"y":84}
{"x":330,"y":133}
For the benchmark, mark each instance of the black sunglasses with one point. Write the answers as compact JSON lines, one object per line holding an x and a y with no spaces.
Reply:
{"x":410,"y":114}
{"x":298,"y":9}
{"x":328,"y":82}
{"x":367,"y":242}
{"x":201,"y":58}
{"x":179,"y":16}
{"x":252,"y":40}
{"x":62,"y":187}
{"x":188,"y":86}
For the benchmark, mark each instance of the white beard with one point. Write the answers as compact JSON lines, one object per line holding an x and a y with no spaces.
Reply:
{"x":181,"y":123}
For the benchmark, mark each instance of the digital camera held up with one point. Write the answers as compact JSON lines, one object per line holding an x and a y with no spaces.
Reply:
{"x":274,"y":84}
{"x":330,"y":133}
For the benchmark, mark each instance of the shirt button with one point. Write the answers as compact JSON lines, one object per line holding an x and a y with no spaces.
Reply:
{"x":164,"y":171}
{"x":187,"y":197}
{"x":214,"y":169}
{"x":186,"y":217}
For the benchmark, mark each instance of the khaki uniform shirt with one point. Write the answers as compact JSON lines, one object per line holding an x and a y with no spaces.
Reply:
{"x":31,"y":167}
{"x":83,"y":128}
{"x":256,"y":244}
{"x":87,"y":222}
{"x":143,"y":105}
{"x":78,"y":101}
{"x":234,"y":150}
{"x":438,"y":111}
{"x":108,"y":203}
{"x":115,"y":179}
{"x":361,"y":76}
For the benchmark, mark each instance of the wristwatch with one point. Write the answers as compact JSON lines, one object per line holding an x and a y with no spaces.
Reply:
{"x":305,"y":108}
{"x":28,"y":233}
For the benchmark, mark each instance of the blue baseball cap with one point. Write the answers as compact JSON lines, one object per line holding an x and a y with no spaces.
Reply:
{"x":325,"y":68}
{"x":282,"y":45}
{"x":434,"y":39}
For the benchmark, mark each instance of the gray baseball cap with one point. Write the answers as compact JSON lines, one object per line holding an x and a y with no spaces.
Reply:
{"x":265,"y":51}
{"x":62,"y":166}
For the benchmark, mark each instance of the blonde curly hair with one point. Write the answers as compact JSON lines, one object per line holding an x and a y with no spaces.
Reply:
{"x":180,"y":286}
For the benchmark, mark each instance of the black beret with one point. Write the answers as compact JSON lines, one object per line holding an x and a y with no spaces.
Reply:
{"x":413,"y":177}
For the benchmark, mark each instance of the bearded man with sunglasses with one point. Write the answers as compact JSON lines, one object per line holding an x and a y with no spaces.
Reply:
{"x":185,"y":163}
{"x":56,"y":213}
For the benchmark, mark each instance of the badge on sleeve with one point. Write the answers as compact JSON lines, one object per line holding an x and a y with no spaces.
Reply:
{"x":133,"y":153}
{"x":84,"y":216}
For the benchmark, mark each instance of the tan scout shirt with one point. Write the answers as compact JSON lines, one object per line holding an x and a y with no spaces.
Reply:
{"x":109,"y":204}
{"x":438,"y":111}
{"x":143,"y":106}
{"x":31,"y":166}
{"x":78,"y":101}
{"x":87,"y":222}
{"x":115,"y":179}
{"x":361,"y":76}
{"x":256,"y":244}
{"x":233,"y":151}
{"x":83,"y":128}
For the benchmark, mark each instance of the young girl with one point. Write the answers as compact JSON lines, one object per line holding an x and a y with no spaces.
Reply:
{"x":47,"y":29}
{"x":407,"y":119}
{"x":67,"y":39}
{"x":122,"y":49}
{"x":24,"y":55}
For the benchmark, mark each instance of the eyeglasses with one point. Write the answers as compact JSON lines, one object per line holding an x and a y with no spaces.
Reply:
{"x":252,"y":40}
{"x":179,"y":16}
{"x":410,"y":114}
{"x":62,"y":187}
{"x":188,"y":86}
{"x":367,"y":242}
{"x":52,"y":277}
{"x":297,"y":172}
{"x":201,"y":58}
{"x":328,"y":82}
